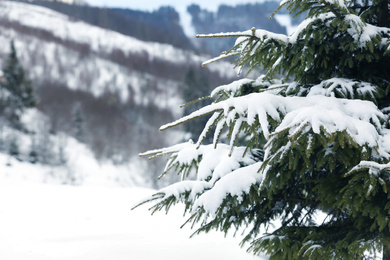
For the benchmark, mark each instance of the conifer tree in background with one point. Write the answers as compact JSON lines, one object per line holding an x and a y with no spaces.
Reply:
{"x":307,"y":166}
{"x":17,"y":86}
{"x":196,"y":86}
{"x":78,"y":124}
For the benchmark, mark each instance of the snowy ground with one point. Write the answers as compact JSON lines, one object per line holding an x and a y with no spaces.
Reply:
{"x":51,"y":221}
{"x":40,"y":219}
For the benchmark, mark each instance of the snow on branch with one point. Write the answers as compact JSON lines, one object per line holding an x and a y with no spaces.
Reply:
{"x":362,"y":32}
{"x":374,"y":167}
{"x":236,"y":183}
{"x":360,"y":118}
{"x":218,"y":174}
{"x":333,"y":116}
{"x":222,"y":170}
{"x":231,"y":88}
{"x":247,"y":43}
{"x":167,"y":150}
{"x":345,"y":88}
{"x":369,"y":176}
{"x":259,"y":47}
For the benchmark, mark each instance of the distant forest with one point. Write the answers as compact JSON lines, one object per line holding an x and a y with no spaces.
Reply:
{"x":161,"y":26}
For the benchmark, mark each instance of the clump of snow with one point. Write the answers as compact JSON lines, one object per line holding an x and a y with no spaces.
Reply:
{"x":235,"y":183}
{"x":363,"y":32}
{"x":179,"y":188}
{"x":336,"y":115}
{"x":232,"y":87}
{"x":328,"y":88}
{"x":302,"y":26}
{"x":218,"y":162}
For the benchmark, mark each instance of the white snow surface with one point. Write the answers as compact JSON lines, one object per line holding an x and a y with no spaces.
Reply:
{"x":43,"y":221}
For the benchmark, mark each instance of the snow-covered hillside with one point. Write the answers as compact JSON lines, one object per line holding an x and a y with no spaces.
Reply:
{"x":79,"y":167}
{"x":56,"y":54}
{"x":123,"y":88}
{"x":66,"y":28}
{"x":57,"y":39}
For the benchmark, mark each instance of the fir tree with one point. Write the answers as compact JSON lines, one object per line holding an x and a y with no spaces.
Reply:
{"x":33,"y":154}
{"x":18,"y":86}
{"x":308,"y":158}
{"x":13,"y":148}
{"x":196,"y":87}
{"x":78,"y":124}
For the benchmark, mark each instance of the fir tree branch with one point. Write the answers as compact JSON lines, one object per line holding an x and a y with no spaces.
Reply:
{"x":194,"y":101}
{"x":331,"y":8}
{"x":220,"y":35}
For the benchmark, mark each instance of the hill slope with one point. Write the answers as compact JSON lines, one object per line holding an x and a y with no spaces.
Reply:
{"x":122,"y":88}
{"x":162,"y":25}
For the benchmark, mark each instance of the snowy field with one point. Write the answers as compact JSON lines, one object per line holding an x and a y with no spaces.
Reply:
{"x":51,"y":221}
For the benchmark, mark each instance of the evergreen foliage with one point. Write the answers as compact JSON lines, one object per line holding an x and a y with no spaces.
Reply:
{"x":16,"y":88}
{"x":13,"y":148}
{"x":33,"y":156}
{"x":78,"y":124}
{"x":196,"y":87}
{"x":306,"y":168}
{"x":232,"y":18}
